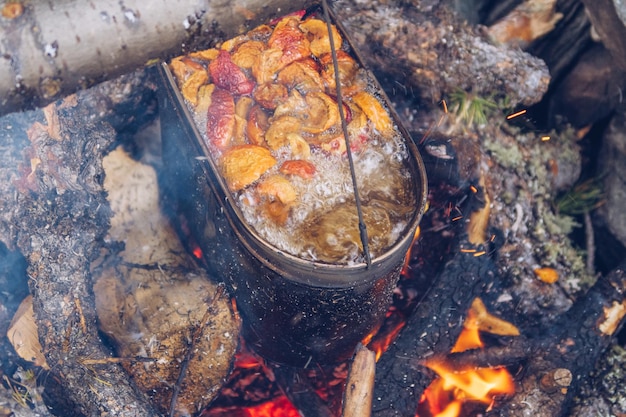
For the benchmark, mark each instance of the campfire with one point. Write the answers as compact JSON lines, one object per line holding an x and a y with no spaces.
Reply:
{"x":497,"y":311}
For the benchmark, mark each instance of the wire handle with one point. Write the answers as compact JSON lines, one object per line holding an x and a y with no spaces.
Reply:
{"x":344,"y":127}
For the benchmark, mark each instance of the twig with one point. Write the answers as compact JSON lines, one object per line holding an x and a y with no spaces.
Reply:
{"x":190,"y":349}
{"x":360,"y":384}
{"x":590,"y":244}
{"x":105,"y":361}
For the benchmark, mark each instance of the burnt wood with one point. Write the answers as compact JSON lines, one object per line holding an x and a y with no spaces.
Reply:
{"x":561,"y":361}
{"x":433,"y":328}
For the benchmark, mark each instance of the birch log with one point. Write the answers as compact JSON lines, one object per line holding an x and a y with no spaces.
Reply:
{"x":50,"y":49}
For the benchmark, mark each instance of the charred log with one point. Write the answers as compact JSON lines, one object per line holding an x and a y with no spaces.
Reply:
{"x":608,"y":21}
{"x":433,"y":328}
{"x":564,"y":359}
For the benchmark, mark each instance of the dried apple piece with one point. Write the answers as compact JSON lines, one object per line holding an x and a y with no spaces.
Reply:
{"x":248,"y":53}
{"x":280,"y":196}
{"x":302,"y":75}
{"x":270,"y":95}
{"x":243,"y":106}
{"x":185,"y":68}
{"x":288,"y":38}
{"x":348,"y":69}
{"x":295,"y":105}
{"x":228,"y":76}
{"x":374,"y":112}
{"x":337,"y":145}
{"x":232,"y":43}
{"x":221,"y":119}
{"x":267,"y":65}
{"x":260,"y":33}
{"x":317,"y":33}
{"x":257,"y":125}
{"x":298,"y":167}
{"x":192,"y":84}
{"x":277,"y":212}
{"x":277,"y":187}
{"x":279,"y":129}
{"x":242,"y":165}
{"x":206,"y":54}
{"x":204,"y":98}
{"x":300,"y":148}
{"x":322,"y":113}
{"x":242,"y":109}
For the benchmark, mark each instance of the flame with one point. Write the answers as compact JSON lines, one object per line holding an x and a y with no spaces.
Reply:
{"x":380,"y":340}
{"x":475,"y":384}
{"x":446,"y":395}
{"x":407,"y":257}
{"x":470,"y":335}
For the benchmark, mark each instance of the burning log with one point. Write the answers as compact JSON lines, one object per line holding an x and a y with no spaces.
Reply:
{"x":433,"y":328}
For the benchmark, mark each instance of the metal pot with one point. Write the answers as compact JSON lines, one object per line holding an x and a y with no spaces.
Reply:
{"x":294,"y":311}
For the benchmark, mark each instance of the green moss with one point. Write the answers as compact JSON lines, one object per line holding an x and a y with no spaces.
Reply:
{"x":509,"y":156}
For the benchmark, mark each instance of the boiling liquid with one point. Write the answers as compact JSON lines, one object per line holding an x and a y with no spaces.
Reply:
{"x":324,"y":225}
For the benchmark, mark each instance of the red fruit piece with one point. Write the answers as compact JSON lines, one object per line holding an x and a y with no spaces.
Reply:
{"x":303,"y":169}
{"x":220,"y":125}
{"x":228,"y":76}
{"x":288,"y":37}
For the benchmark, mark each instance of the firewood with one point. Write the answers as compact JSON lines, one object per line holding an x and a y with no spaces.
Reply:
{"x":56,"y":214}
{"x":431,"y":329}
{"x":417,"y":55}
{"x":60,"y":222}
{"x":153,"y":300}
{"x":610,"y":27}
{"x":56,"y":50}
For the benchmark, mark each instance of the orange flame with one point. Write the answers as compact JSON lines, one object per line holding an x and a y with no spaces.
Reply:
{"x":475,"y":384}
{"x":382,"y":338}
{"x":445,"y":395}
{"x":407,"y":257}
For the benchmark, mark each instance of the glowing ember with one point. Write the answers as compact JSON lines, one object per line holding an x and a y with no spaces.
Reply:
{"x":280,"y":407}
